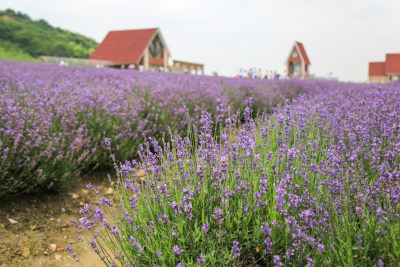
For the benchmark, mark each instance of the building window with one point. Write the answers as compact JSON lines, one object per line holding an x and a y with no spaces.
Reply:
{"x":156,"y":47}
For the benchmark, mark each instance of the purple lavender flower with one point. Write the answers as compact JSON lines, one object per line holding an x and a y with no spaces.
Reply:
{"x":94,"y":246}
{"x":266,"y":229}
{"x":106,"y":202}
{"x":183,"y":105}
{"x":236,"y":249}
{"x":72,"y":252}
{"x":136,"y":244}
{"x":221,"y":234}
{"x":217,"y":215}
{"x":310,"y":262}
{"x":159,"y":254}
{"x":268,"y":245}
{"x":204,"y":227}
{"x":277,"y":261}
{"x":107,"y":142}
{"x":92,"y":188}
{"x":177,"y":250}
{"x":201,"y":259}
{"x":380,"y":212}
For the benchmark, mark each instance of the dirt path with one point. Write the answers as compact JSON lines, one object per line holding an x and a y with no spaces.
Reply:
{"x":35,"y":229}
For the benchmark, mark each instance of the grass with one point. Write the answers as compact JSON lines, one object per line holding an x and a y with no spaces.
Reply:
{"x":10,"y":52}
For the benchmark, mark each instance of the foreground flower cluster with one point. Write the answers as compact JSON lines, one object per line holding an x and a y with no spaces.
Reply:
{"x":53,"y":119}
{"x":315,"y":183}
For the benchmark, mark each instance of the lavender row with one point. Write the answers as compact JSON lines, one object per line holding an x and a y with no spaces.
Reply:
{"x":53,"y":119}
{"x":316,"y":183}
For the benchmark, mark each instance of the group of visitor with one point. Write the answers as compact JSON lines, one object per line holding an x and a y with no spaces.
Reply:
{"x":253,"y":73}
{"x":141,"y":68}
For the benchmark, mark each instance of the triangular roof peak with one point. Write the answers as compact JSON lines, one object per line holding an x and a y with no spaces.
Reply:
{"x":302,"y":52}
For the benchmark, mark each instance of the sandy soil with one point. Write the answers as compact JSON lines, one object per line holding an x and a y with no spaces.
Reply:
{"x":35,"y":229}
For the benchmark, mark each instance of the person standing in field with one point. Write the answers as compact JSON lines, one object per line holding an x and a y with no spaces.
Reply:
{"x":266,"y":75}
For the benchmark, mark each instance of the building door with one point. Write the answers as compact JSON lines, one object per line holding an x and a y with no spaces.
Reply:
{"x":291,"y":68}
{"x":298,"y":69}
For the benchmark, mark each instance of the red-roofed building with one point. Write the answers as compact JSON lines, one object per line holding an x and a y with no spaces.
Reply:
{"x":298,"y":64}
{"x":376,"y":72}
{"x":380,"y":72}
{"x":144,"y":47}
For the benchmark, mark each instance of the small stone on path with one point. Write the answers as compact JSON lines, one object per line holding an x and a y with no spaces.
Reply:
{"x":12,"y":221}
{"x":139,"y":173}
{"x":25,"y":252}
{"x":52,"y":247}
{"x":109,"y":191}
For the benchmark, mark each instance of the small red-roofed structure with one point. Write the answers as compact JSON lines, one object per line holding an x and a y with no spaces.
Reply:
{"x":389,"y":70}
{"x":392,"y":66}
{"x":376,"y":72}
{"x":143,"y":47}
{"x":298,"y":63}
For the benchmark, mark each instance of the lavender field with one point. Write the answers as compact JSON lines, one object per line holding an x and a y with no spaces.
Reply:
{"x":237,"y":172}
{"x":53,"y":120}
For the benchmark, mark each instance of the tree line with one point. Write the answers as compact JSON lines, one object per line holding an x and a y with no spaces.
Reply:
{"x":18,"y":32}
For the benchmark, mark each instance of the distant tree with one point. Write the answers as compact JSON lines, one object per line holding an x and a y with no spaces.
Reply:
{"x":16,"y":15}
{"x":6,"y":30}
{"x":60,"y":49}
{"x":43,"y":24}
{"x":36,"y":38}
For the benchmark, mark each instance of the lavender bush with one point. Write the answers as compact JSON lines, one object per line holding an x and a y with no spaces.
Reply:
{"x":317,"y":183}
{"x":53,"y":119}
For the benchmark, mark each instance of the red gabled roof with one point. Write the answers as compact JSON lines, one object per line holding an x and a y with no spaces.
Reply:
{"x":124,"y":46}
{"x":303,"y":53}
{"x":392,"y":65}
{"x":376,"y":69}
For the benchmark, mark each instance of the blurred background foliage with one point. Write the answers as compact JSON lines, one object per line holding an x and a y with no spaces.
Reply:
{"x":22,"y":38}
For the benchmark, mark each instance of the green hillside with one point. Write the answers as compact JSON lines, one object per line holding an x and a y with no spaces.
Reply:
{"x":22,"y":38}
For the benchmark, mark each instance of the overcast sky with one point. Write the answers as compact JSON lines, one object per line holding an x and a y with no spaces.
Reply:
{"x":340,"y":36}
